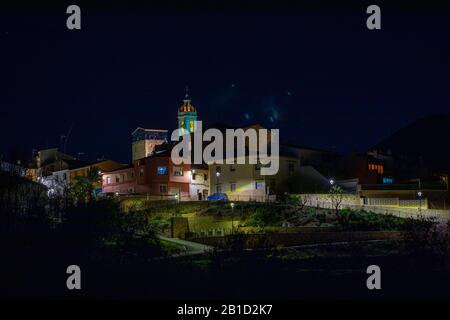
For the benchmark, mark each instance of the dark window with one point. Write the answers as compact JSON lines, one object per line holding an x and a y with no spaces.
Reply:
{"x":291,"y":167}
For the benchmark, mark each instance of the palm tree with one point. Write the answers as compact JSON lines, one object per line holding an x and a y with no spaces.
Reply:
{"x":83,"y":186}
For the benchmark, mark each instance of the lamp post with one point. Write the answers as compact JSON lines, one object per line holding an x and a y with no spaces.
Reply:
{"x":331,"y":181}
{"x":218,"y":176}
{"x":232,"y":217}
{"x":419,"y":194}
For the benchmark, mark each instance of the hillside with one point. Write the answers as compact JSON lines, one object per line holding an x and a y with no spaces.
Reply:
{"x":427,"y":138}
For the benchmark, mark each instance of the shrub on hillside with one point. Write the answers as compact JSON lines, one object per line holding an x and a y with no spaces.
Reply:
{"x":365,"y":221}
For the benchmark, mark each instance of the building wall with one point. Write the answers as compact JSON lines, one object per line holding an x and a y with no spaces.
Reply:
{"x":144,"y":148}
{"x":103,"y":166}
{"x":120,"y":181}
{"x":240,"y":182}
{"x":199,"y":185}
{"x":150,"y":180}
{"x":145,"y":178}
{"x":144,"y":141}
{"x":61,"y":181}
{"x":246,"y":183}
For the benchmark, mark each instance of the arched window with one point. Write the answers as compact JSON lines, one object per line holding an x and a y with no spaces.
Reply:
{"x":191,"y":126}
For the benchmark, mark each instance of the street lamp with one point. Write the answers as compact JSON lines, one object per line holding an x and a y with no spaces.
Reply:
{"x":419,"y":194}
{"x":331,"y":181}
{"x":232,"y":217}
{"x":217,"y":183}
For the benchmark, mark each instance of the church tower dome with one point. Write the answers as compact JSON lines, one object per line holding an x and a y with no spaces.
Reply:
{"x":187,"y":115}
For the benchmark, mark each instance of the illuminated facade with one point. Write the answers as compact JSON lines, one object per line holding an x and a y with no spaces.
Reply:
{"x":144,"y":141}
{"x":187,"y":116}
{"x":159,"y":178}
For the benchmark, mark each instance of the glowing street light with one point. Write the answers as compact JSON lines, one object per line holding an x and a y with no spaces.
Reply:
{"x":331,"y":181}
{"x":419,"y":194}
{"x":217,"y":174}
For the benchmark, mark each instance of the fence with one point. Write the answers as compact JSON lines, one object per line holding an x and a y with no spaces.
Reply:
{"x":250,"y":198}
{"x":401,"y":208}
{"x":305,"y":238}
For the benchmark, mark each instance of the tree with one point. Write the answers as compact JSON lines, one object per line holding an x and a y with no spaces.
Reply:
{"x":336,"y":194}
{"x":82,"y":188}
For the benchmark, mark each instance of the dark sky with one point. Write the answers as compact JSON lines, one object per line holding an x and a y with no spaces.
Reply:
{"x":321,"y":77}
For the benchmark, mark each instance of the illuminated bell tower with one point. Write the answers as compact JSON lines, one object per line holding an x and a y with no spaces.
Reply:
{"x":187,"y":116}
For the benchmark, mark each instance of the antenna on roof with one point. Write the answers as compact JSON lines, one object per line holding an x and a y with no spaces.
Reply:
{"x":67,"y":137}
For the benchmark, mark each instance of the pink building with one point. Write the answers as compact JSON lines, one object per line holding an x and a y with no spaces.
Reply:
{"x":120,"y":181}
{"x":156,"y":175}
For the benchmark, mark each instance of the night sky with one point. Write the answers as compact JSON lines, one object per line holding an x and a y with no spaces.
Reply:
{"x":321,"y":77}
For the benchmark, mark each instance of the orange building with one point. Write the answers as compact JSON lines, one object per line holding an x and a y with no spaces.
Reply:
{"x":102,"y":166}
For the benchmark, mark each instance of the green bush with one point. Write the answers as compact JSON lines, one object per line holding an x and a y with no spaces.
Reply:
{"x":363,"y":220}
{"x":266,"y":215}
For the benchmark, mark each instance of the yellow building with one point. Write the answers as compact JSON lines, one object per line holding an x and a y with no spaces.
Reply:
{"x":102,"y":166}
{"x":244,"y":182}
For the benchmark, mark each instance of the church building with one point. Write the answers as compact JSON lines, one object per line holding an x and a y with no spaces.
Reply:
{"x":187,"y":116}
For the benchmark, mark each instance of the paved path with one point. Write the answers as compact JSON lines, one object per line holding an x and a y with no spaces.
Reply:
{"x":191,"y":247}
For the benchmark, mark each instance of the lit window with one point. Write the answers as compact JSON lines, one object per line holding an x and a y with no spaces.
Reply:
{"x":161,"y":170}
{"x":141,"y":172}
{"x":108,"y":179}
{"x":191,"y":126}
{"x":388,"y":180}
{"x":259,"y":185}
{"x":178,"y":171}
